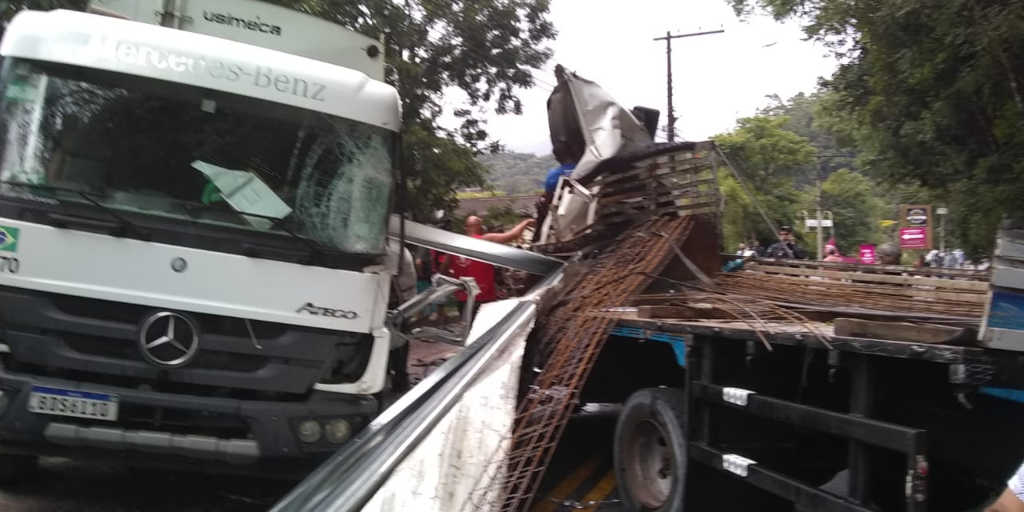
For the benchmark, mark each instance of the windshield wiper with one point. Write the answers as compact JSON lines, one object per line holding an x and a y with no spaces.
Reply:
{"x":126,"y":226}
{"x":314,"y":250}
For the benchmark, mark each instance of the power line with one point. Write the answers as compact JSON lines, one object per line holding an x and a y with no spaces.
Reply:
{"x":668,"y":53}
{"x":550,"y":86}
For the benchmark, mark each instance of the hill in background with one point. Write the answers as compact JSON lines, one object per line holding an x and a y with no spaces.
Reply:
{"x":517,"y":173}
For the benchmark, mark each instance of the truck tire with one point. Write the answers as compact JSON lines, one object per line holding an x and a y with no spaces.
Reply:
{"x":650,"y":451}
{"x":17,"y":468}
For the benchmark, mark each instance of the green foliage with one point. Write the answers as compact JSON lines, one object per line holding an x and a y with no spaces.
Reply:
{"x":517,"y":173}
{"x":853,"y":200}
{"x":779,"y":153}
{"x":435,"y":167}
{"x":931,"y":91}
{"x":741,"y":222}
{"x":496,"y":219}
{"x":807,"y":120}
{"x":485,"y":48}
{"x":768,"y":157}
{"x":501,"y":218}
{"x":768,"y":152}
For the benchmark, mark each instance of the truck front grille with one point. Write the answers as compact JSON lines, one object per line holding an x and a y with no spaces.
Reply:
{"x":97,"y":341}
{"x":129,"y":351}
{"x":132,"y":314}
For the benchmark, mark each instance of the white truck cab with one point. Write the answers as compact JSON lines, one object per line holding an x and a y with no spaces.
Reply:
{"x":192,"y":231}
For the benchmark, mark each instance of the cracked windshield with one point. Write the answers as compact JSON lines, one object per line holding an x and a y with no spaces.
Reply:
{"x":511,"y":255}
{"x":185,"y":153}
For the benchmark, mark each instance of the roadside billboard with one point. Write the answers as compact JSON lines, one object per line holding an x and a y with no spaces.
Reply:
{"x":867,"y":254}
{"x":915,"y":227}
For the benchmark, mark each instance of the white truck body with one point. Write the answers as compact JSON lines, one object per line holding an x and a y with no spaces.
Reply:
{"x":223,"y":181}
{"x":258,"y":24}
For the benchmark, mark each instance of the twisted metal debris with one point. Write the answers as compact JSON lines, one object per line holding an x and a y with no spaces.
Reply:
{"x":575,"y":333}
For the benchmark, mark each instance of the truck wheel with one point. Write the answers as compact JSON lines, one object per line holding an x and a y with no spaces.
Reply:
{"x":650,"y":451}
{"x":16,"y":468}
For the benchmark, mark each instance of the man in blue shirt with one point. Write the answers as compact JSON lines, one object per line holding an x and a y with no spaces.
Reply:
{"x":554,"y":174}
{"x":567,"y":154}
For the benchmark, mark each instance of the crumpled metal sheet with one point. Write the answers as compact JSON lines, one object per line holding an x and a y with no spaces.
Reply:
{"x":607,"y":127}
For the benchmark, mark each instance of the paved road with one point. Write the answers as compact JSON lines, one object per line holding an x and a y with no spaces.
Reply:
{"x":69,"y":486}
{"x":66,"y":486}
{"x":581,"y":472}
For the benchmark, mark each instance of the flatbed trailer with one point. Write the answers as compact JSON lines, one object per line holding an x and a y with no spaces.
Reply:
{"x":720,"y":413}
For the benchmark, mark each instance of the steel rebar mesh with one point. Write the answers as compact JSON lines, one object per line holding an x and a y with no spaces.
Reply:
{"x":575,"y":333}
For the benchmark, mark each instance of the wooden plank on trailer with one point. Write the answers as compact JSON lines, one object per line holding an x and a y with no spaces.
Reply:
{"x":681,"y":177}
{"x":647,"y":168}
{"x":656,"y":173}
{"x":960,"y":296}
{"x":976,"y":286}
{"x":901,"y":331}
{"x":637,"y":191}
{"x":644,"y":200}
{"x":980,"y":275}
{"x":643,"y":210}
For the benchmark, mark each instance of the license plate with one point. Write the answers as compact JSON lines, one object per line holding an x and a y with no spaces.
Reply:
{"x":77,"y":404}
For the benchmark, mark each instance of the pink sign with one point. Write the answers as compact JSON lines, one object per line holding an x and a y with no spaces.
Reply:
{"x":913,"y":238}
{"x":867,"y":254}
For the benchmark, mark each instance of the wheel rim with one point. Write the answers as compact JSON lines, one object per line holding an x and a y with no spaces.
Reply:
{"x":649,"y":465}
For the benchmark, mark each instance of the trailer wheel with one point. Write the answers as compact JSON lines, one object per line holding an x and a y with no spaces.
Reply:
{"x":650,"y":451}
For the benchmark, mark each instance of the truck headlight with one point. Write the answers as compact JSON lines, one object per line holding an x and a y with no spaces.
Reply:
{"x":337,"y":431}
{"x":309,"y":431}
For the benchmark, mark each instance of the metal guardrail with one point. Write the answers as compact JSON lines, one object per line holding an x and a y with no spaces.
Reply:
{"x":350,"y":478}
{"x":473,"y":248}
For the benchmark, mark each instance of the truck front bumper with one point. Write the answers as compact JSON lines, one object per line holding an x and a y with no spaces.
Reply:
{"x":180,"y":426}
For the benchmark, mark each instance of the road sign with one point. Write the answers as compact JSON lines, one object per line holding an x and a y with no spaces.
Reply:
{"x":917,"y":217}
{"x":867,"y":254}
{"x":813,"y":223}
{"x":914,"y":238}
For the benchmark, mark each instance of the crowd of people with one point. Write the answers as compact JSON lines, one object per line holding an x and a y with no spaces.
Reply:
{"x":942,"y":259}
{"x":786,"y":247}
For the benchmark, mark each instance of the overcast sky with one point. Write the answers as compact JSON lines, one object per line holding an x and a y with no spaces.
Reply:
{"x":717,"y":78}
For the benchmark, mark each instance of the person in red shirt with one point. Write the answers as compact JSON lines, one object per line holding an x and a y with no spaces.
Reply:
{"x":459,"y":266}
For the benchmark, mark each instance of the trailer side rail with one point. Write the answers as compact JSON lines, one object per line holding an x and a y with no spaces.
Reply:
{"x":703,"y":395}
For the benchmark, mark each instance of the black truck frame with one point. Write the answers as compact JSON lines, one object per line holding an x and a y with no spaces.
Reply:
{"x":782,"y":422}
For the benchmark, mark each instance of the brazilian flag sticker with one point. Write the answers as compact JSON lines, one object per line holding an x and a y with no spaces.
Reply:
{"x":9,"y":239}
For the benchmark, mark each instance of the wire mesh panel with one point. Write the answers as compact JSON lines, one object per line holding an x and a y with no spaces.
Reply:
{"x":573,"y":334}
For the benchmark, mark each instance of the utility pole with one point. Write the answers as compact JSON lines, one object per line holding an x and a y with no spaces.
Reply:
{"x":818,"y":171}
{"x":668,"y":54}
{"x":942,"y":211}
{"x":817,"y":207}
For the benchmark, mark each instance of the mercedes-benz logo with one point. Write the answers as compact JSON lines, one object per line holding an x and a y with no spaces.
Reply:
{"x":168,"y":339}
